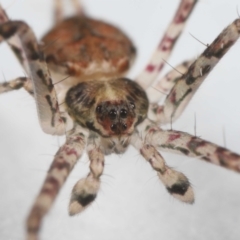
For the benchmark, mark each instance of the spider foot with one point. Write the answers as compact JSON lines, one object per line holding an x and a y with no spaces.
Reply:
{"x":83,"y":194}
{"x":175,"y":182}
{"x":177,"y":185}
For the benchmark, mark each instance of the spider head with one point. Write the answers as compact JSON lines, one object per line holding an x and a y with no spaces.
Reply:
{"x":109,"y":107}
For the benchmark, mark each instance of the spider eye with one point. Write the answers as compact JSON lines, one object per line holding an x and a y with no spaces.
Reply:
{"x":112,"y":114}
{"x":123,"y":113}
{"x":114,"y":127}
{"x":124,"y":126}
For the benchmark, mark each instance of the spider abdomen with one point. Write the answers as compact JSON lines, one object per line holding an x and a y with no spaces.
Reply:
{"x":87,"y":48}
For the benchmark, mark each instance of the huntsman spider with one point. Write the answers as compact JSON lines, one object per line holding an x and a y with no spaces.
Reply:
{"x":76,"y":75}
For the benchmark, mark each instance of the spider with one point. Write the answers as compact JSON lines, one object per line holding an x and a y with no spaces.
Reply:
{"x":175,"y":189}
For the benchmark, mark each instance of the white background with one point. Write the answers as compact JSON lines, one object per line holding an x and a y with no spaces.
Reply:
{"x":132,"y":203}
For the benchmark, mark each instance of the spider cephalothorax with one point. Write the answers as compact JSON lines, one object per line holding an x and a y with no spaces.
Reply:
{"x":96,"y":55}
{"x":110,"y":107}
{"x":76,"y":76}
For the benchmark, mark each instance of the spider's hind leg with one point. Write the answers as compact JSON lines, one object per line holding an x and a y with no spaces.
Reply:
{"x":164,"y":85}
{"x":63,"y":162}
{"x":165,"y":47}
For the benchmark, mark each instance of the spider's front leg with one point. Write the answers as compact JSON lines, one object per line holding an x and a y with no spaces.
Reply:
{"x":64,"y":161}
{"x":44,"y":93}
{"x":187,"y":85}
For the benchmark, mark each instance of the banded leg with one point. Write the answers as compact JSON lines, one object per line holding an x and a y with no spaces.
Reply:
{"x":16,"y":84}
{"x":163,"y":86}
{"x":166,"y":45}
{"x":78,"y":7}
{"x":44,"y":92}
{"x":14,"y":42}
{"x":63,"y":163}
{"x":192,"y":146}
{"x":15,"y":45}
{"x":175,"y":182}
{"x":85,"y":190}
{"x":188,"y":84}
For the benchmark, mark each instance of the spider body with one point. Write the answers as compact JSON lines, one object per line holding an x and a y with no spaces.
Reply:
{"x":88,"y":49}
{"x":95,"y":55}
{"x":110,"y":108}
{"x":106,"y":111}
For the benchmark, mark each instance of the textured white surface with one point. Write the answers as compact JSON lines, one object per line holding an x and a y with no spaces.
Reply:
{"x":132,"y":204}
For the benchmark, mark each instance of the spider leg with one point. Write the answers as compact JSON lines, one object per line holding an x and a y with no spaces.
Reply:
{"x":59,"y":9}
{"x":164,"y":49}
{"x":189,"y":145}
{"x":187,"y":85}
{"x":85,"y":190}
{"x":63,"y":163}
{"x":175,"y":182}
{"x":14,"y":42}
{"x":163,"y":86}
{"x":44,"y":92}
{"x":16,"y":84}
{"x":78,"y":7}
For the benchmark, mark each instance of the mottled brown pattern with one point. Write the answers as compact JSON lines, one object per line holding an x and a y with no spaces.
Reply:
{"x":51,"y":187}
{"x":7,"y":30}
{"x":60,"y":164}
{"x":111,"y":110}
{"x":188,"y":77}
{"x":218,"y":49}
{"x":228,"y":159}
{"x":81,"y":40}
{"x":173,"y":137}
{"x":186,"y":86}
{"x":194,"y":144}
